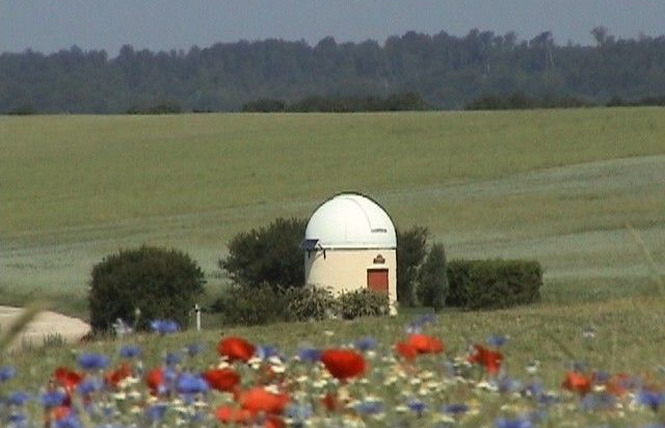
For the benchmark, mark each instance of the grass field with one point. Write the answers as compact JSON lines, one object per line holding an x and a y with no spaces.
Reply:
{"x":558,"y":186}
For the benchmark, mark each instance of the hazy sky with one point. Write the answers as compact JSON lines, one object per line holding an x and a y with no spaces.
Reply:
{"x":50,"y":25}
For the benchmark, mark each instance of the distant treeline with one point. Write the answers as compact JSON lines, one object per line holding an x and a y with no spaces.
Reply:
{"x":337,"y":104}
{"x":397,"y":102}
{"x":519,"y":101}
{"x":447,"y":72}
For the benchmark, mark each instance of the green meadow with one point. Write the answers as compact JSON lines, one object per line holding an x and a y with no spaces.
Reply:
{"x":581,"y":191}
{"x":558,"y":186}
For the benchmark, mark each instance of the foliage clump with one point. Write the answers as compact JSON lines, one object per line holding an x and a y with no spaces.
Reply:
{"x":433,"y":279}
{"x":361,"y":303}
{"x":311,"y":303}
{"x":411,"y":252}
{"x":493,"y":284}
{"x":140,"y":285}
{"x":269,"y":255}
{"x":240,"y":305}
{"x":267,"y":269}
{"x":167,"y":107}
{"x":520,"y":101}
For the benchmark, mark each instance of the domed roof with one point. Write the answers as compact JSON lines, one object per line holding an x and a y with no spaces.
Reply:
{"x":350,"y":220}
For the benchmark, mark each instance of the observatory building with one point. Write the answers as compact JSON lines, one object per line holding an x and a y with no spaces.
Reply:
{"x":350,"y":243}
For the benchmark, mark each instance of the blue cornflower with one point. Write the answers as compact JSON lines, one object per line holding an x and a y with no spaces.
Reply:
{"x":534,"y":389}
{"x":18,"y":398}
{"x":189,"y":383}
{"x":266,"y":351}
{"x":71,"y":421}
{"x":513,"y":423}
{"x":165,"y":326}
{"x":53,"y":398}
{"x":173,"y":358}
{"x":651,"y":399}
{"x":130,"y":351}
{"x":88,"y":386}
{"x":497,"y":340}
{"x":93,"y":361}
{"x":370,"y":407}
{"x":507,"y":384}
{"x":598,"y":402}
{"x":299,"y":412}
{"x":601,"y":376}
{"x":417,"y":325}
{"x":417,"y":406}
{"x":156,"y":413}
{"x":456,"y":409}
{"x":365,"y":344}
{"x":309,"y":355}
{"x":18,"y":420}
{"x":7,"y":373}
{"x":194,"y":349}
{"x":170,"y":375}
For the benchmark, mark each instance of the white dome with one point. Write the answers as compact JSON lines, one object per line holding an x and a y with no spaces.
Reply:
{"x":351,"y":221}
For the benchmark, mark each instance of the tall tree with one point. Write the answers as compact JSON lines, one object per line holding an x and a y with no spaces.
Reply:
{"x":433,"y":279}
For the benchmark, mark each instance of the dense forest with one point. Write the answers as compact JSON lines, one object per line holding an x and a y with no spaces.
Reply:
{"x":446,"y":71}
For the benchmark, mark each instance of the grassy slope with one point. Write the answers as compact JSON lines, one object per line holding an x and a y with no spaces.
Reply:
{"x":555,"y":185}
{"x":629,"y":337}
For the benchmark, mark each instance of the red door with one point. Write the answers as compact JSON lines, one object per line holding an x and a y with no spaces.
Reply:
{"x":377,"y":280}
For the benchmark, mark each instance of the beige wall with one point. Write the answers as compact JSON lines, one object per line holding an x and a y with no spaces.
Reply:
{"x":347,"y":269}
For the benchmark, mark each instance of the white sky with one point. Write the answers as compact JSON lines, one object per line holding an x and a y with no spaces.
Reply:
{"x":50,"y":25}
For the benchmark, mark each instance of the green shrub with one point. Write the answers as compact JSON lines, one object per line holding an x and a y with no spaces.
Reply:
{"x":310,"y":303}
{"x":241,"y":305}
{"x":23,"y":110}
{"x":433,"y":279}
{"x":264,"y":105}
{"x":363,"y":302}
{"x":493,"y":284}
{"x":167,"y":107}
{"x":160,"y":283}
{"x":458,"y":283}
{"x":269,"y":255}
{"x":411,"y":251}
{"x":251,"y":306}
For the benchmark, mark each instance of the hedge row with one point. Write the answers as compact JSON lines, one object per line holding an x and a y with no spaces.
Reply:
{"x":493,"y":284}
{"x":241,"y":305}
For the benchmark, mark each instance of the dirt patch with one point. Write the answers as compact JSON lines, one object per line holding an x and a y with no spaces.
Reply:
{"x":46,"y":326}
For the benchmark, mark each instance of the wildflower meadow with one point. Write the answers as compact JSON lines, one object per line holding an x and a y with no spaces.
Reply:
{"x":405,"y":376}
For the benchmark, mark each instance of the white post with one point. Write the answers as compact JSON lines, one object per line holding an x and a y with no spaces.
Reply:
{"x":197,"y":309}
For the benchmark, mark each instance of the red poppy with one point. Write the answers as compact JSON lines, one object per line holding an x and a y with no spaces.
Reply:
{"x":618,"y":384}
{"x":61,"y":412}
{"x":344,"y":363}
{"x":407,"y":351}
{"x":232,"y":415}
{"x":236,"y":348}
{"x":116,"y":376}
{"x":67,"y":378}
{"x":260,"y":400}
{"x":56,"y":414}
{"x":155,"y":379}
{"x":425,"y":344}
{"x":273,"y":421}
{"x":225,"y":380}
{"x":487,"y":358}
{"x":577,"y":382}
{"x":331,"y":402}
